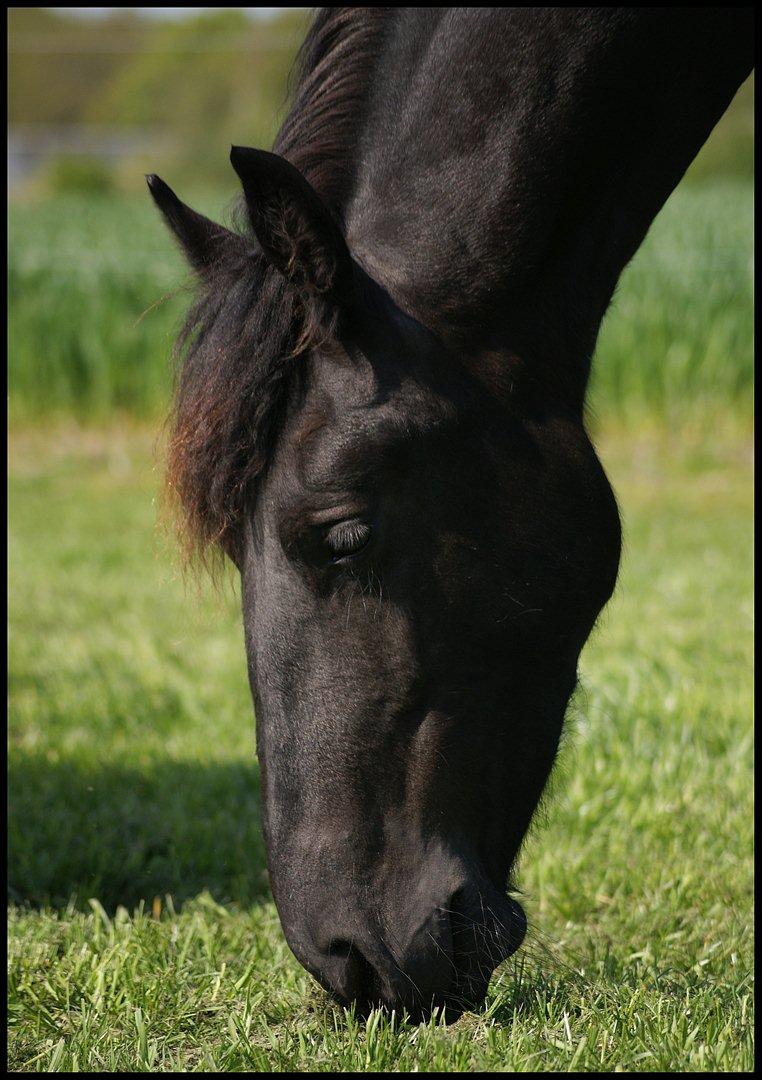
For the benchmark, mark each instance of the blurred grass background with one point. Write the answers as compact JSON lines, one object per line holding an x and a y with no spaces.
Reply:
{"x":142,"y":934}
{"x":95,"y":293}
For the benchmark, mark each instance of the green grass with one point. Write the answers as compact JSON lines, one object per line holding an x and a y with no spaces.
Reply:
{"x":96,"y":292}
{"x":95,"y":299}
{"x":678,"y":340}
{"x":142,"y":935}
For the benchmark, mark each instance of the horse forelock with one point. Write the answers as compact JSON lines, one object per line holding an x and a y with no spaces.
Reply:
{"x":238,"y":350}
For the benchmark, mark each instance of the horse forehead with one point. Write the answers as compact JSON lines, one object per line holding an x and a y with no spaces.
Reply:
{"x":358,"y":402}
{"x":345,"y":433}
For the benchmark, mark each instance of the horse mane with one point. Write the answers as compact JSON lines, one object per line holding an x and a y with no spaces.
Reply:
{"x":334,"y":68}
{"x":246,"y":327}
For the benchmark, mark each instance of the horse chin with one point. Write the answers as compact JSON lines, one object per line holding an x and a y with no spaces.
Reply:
{"x":517,"y":927}
{"x":503,"y":931}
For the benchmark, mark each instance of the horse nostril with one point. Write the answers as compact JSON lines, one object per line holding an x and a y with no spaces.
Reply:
{"x":442,"y":960}
{"x":416,"y":980}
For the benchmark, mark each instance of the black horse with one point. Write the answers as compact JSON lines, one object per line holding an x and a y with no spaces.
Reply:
{"x":379,"y":420}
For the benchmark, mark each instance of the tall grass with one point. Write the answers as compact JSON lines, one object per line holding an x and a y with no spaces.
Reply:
{"x":96,"y":295}
{"x":678,"y":340}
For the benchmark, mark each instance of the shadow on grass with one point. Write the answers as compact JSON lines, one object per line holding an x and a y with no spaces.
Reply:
{"x":125,"y":834}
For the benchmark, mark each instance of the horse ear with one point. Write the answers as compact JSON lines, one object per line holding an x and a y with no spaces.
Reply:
{"x":295,"y":229}
{"x":203,"y":241}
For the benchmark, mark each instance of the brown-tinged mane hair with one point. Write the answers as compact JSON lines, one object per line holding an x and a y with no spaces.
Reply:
{"x":246,"y":326}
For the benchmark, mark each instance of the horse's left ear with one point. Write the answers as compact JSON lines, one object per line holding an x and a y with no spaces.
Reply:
{"x":295,"y":229}
{"x":203,"y":241}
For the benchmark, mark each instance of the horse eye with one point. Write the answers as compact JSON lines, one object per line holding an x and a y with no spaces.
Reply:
{"x":347,"y":538}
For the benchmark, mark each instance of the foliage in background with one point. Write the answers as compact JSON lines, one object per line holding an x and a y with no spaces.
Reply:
{"x":94,"y":300}
{"x":58,"y":64}
{"x":213,"y":80}
{"x":69,"y":175}
{"x":95,"y":286}
{"x":95,"y":292}
{"x":677,"y":344}
{"x":207,"y":81}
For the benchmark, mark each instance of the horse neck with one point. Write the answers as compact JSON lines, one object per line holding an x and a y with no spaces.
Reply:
{"x":513,"y":160}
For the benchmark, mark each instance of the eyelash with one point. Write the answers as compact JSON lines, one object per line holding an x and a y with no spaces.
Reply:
{"x":347,"y":539}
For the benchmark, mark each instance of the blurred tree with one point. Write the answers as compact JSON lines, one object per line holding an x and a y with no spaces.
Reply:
{"x":66,"y":175}
{"x":57,"y":64}
{"x":215,"y":78}
{"x":209,"y":80}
